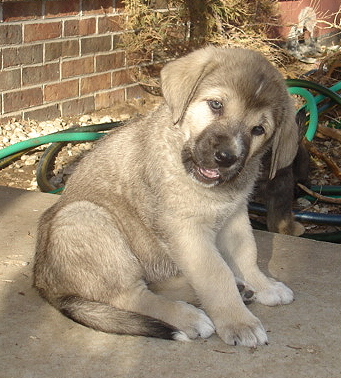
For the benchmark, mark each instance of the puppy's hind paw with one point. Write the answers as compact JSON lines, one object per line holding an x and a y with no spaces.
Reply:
{"x":195,"y":322}
{"x":206,"y":329}
{"x":276,"y":294}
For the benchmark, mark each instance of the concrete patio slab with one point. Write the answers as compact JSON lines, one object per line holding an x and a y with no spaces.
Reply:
{"x":38,"y":342}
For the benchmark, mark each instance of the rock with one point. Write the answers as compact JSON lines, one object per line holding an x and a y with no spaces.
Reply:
{"x":105,"y":119}
{"x":124,"y":117}
{"x":34,"y":134}
{"x":303,"y":202}
{"x":85,"y":118}
{"x":94,"y":120}
{"x":31,"y":160}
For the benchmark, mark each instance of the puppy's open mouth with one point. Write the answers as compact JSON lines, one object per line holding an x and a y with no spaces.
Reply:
{"x":198,"y":171}
{"x":207,"y":176}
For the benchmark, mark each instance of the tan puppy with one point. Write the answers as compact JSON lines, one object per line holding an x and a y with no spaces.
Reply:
{"x":156,"y":215}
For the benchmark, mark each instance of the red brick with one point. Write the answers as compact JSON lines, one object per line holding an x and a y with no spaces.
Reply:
{"x":10,"y":34}
{"x":93,"y":45}
{"x":95,"y":83}
{"x":60,"y":91}
{"x":10,"y":79}
{"x":78,"y":106}
{"x":108,"y":62}
{"x":108,"y":99}
{"x":43,"y":113}
{"x":96,"y":6}
{"x":41,"y":31}
{"x":71,"y":28}
{"x":110,"y":24}
{"x":117,"y":42}
{"x":15,"y":11}
{"x":40,"y":74}
{"x":61,"y":8}
{"x":21,"y":99}
{"x":121,"y":77}
{"x":14,"y":56}
{"x":85,"y":26}
{"x":77,"y":67}
{"x":61,"y":49}
{"x":9,"y":116}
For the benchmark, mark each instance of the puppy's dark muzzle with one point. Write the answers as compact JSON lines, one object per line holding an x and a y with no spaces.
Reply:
{"x":225,"y":158}
{"x":214,"y":157}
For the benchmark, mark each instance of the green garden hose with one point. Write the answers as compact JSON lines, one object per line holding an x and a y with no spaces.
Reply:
{"x":51,"y":138}
{"x":312,"y":108}
{"x":73,"y":134}
{"x":300,"y":87}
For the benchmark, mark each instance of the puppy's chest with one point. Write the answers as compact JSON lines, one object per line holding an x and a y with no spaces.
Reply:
{"x":215,"y":214}
{"x":222,"y":215}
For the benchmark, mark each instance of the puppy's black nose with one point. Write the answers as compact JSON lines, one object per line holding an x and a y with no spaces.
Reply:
{"x":225,"y":158}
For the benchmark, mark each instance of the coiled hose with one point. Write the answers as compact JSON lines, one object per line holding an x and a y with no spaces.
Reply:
{"x":58,"y":139}
{"x":90,"y":133}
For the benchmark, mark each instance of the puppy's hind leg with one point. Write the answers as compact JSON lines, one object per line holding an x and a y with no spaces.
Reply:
{"x":192,"y":321}
{"x":176,"y":288}
{"x":83,"y":264}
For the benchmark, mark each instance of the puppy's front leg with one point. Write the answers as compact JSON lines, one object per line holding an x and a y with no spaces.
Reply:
{"x":237,"y":244}
{"x":214,"y":283}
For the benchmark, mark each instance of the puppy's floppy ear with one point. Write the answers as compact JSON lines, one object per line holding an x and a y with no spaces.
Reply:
{"x":286,"y":139}
{"x":180,"y":79}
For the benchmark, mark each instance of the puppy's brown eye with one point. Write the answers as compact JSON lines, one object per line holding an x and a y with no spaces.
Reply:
{"x":258,"y":130}
{"x":215,"y":105}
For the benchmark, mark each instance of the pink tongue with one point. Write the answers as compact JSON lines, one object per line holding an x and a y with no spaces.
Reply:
{"x":210,"y":173}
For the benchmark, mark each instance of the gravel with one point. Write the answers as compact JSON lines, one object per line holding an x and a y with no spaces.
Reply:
{"x":21,"y":173}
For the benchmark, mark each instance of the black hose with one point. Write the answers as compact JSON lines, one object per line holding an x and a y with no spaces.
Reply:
{"x":46,"y":161}
{"x":314,"y":86}
{"x":303,"y":216}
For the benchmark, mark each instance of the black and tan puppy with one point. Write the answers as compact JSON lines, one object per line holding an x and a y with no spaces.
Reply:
{"x":279,"y":192}
{"x":156,"y":215}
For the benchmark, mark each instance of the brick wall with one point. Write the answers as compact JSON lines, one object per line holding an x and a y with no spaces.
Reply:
{"x":61,"y":57}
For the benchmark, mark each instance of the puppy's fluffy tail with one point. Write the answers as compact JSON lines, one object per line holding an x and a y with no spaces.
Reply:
{"x":105,"y":318}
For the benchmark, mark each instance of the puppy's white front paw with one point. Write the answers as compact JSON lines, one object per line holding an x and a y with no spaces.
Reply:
{"x":275,"y":294}
{"x":247,"y":331}
{"x":195,"y":322}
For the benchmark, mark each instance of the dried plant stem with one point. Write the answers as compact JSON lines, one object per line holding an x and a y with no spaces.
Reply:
{"x":329,"y":132}
{"x":328,"y":160}
{"x":319,"y":196}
